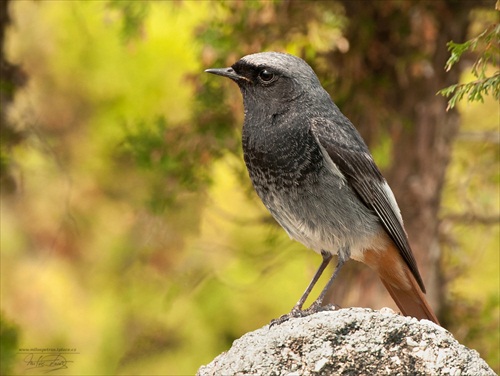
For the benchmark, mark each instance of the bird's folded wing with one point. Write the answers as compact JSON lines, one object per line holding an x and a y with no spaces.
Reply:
{"x":354,"y":161}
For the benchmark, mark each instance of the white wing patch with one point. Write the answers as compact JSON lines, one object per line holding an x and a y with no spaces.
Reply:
{"x":330,"y":165}
{"x":392,"y":201}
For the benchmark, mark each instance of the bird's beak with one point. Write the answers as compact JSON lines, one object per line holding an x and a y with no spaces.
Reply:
{"x":227,"y":72}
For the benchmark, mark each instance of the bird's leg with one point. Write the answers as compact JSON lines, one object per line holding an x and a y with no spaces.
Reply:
{"x":326,"y":260}
{"x":297,"y":308}
{"x":317,"y":305}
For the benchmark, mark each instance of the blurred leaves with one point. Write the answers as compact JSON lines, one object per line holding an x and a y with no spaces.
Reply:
{"x":176,"y":155}
{"x":134,"y":14}
{"x":9,"y":344}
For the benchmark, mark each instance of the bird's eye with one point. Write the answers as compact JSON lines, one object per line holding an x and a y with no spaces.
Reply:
{"x":266,"y":76}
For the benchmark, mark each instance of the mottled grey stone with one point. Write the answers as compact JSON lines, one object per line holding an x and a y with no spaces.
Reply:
{"x":353,"y":341}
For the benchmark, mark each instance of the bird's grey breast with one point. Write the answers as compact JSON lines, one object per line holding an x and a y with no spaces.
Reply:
{"x":279,"y":154}
{"x":302,"y":188}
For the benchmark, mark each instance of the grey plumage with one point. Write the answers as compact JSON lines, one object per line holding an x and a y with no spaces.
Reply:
{"x":310,"y":166}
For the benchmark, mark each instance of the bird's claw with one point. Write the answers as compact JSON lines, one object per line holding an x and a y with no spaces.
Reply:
{"x":297,"y":312}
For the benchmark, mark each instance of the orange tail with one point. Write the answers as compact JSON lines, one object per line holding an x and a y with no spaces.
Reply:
{"x":400,"y":282}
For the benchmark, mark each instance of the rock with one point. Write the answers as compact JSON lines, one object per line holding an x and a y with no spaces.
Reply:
{"x":353,"y":341}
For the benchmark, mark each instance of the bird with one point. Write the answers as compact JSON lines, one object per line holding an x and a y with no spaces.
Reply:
{"x":316,"y":176}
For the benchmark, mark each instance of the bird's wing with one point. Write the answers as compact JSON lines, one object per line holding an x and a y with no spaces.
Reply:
{"x":355,"y":162}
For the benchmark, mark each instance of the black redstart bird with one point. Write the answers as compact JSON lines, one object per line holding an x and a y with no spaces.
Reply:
{"x":316,"y":176}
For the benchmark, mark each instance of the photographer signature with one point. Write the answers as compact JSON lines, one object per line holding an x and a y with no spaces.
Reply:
{"x":46,"y":362}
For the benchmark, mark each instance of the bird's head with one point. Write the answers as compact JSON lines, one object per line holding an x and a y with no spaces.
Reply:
{"x":270,"y":80}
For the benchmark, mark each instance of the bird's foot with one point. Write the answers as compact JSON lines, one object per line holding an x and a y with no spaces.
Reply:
{"x":294,"y":313}
{"x":298,"y":312}
{"x":316,"y":307}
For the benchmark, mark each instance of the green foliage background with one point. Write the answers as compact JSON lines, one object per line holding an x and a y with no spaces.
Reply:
{"x":133,"y":235}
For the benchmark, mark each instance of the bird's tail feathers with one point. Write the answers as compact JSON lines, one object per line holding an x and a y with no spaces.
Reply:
{"x":400,"y":283}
